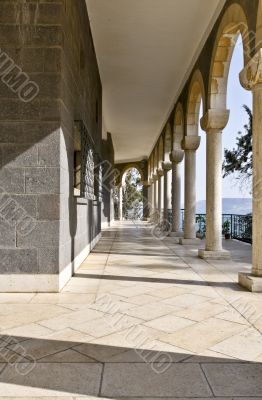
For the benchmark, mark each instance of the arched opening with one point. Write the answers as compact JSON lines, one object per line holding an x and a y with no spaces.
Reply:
{"x":231,"y":54}
{"x":132,"y":195}
{"x":236,"y":188}
{"x":194,"y":157}
{"x":233,"y":24}
{"x":201,"y":167}
{"x":178,"y":133}
{"x":177,"y":214}
{"x":195,"y":99}
{"x":168,"y":143}
{"x":160,"y":152}
{"x":155,"y":164}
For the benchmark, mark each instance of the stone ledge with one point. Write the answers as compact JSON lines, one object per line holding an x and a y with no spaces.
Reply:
{"x":250,"y":282}
{"x":185,"y":241}
{"x":214,"y":254}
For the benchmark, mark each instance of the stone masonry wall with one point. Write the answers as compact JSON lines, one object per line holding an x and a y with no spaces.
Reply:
{"x":81,"y":100}
{"x":31,"y":37}
{"x":45,"y":230}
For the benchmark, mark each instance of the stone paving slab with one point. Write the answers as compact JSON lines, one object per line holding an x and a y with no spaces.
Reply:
{"x":148,"y":380}
{"x":134,"y":304}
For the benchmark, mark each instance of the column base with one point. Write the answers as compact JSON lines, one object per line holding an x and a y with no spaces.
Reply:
{"x":250,"y":282}
{"x":185,"y":241}
{"x":176,"y":234}
{"x":214,"y":254}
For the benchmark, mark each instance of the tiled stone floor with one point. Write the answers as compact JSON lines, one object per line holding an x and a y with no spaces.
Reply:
{"x":142,"y":318}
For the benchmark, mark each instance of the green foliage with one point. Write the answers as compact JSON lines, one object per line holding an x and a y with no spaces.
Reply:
{"x":240,"y":159}
{"x":226,"y":227}
{"x":132,"y":193}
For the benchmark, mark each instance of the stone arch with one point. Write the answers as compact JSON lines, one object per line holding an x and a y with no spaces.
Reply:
{"x":178,"y":131}
{"x":150,"y":167}
{"x":168,"y":142}
{"x":233,"y":24}
{"x":130,"y":166}
{"x":196,"y":93}
{"x":160,"y":152}
{"x":259,"y":27}
{"x":155,"y":155}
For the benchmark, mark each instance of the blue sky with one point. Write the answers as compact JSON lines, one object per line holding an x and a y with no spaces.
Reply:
{"x":237,"y":96}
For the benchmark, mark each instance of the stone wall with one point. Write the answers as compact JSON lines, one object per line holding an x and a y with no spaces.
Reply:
{"x":45,"y":232}
{"x":81,"y":94}
{"x":107,"y":211}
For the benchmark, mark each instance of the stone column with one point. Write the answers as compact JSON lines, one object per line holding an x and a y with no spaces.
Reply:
{"x":166,"y":166}
{"x":149,"y":202}
{"x":251,"y":79}
{"x":120,"y":204}
{"x":145,"y":200}
{"x":160,"y":197}
{"x":190,"y":144}
{"x":213,"y":122}
{"x":155,"y":205}
{"x":176,"y":157}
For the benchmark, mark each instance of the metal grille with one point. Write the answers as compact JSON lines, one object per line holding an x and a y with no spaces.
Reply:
{"x":87,"y":164}
{"x":238,"y":227}
{"x":99,"y":182}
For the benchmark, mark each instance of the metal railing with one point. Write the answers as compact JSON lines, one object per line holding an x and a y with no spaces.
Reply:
{"x":234,"y":226}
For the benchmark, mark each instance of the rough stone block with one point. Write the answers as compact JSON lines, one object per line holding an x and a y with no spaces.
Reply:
{"x":42,"y":180}
{"x":48,"y":207}
{"x":49,"y":153}
{"x":32,"y":59}
{"x":50,"y":13}
{"x":18,"y":155}
{"x":52,"y":60}
{"x":44,"y":234}
{"x":8,"y":12}
{"x":48,"y":259}
{"x":18,"y":261}
{"x":43,"y":35}
{"x":10,"y":109}
{"x":12,"y":180}
{"x":25,"y":202}
{"x":10,"y":34}
{"x":7,"y":233}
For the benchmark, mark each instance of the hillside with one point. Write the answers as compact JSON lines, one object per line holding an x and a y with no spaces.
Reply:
{"x":229,"y":206}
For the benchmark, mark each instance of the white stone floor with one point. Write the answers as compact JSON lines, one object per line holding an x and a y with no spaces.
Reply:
{"x":142,"y":318}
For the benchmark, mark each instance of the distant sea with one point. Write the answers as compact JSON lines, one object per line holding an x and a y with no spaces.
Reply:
{"x":229,"y":206}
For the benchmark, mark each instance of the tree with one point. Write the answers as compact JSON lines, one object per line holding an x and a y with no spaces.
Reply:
{"x":132,"y":193}
{"x":239,"y":161}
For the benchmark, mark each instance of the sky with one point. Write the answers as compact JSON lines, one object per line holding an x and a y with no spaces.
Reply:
{"x":237,"y":96}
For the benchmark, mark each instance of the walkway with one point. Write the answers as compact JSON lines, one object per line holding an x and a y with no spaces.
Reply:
{"x":141,"y":318}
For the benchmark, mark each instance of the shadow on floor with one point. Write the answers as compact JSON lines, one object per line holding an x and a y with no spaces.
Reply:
{"x":231,"y":285}
{"x":45,"y":367}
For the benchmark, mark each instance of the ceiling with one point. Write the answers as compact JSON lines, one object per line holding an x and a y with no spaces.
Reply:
{"x":145,"y":51}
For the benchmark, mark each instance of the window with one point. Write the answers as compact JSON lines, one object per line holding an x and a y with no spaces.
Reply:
{"x":77,"y":161}
{"x":99,"y":181}
{"x":84,"y":168}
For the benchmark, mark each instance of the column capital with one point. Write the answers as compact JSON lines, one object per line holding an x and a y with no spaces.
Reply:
{"x":214,"y":120}
{"x":251,"y":75}
{"x":150,"y":181}
{"x":159,"y":172}
{"x":176,"y":156}
{"x":155,"y":177}
{"x":166,"y":166}
{"x":191,"y":142}
{"x":145,"y":183}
